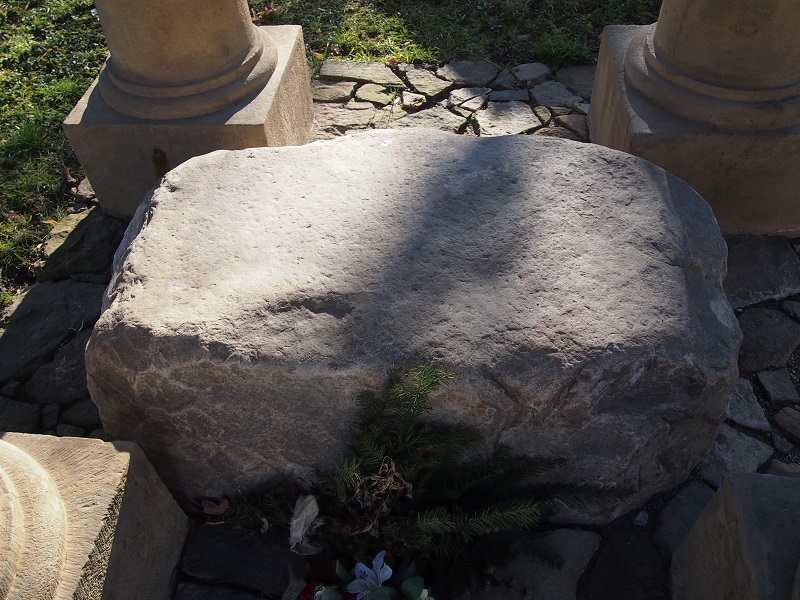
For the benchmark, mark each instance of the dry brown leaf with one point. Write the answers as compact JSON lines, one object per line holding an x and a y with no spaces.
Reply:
{"x":213,"y":508}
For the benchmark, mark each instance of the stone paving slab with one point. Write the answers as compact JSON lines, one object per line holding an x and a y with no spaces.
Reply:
{"x":471,"y":73}
{"x":759,"y":269}
{"x":769,"y":339}
{"x":345,"y":70}
{"x":733,"y":452}
{"x":744,"y":408}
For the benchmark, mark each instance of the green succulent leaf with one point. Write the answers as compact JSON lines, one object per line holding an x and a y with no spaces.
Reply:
{"x":413,"y":588}
{"x":342,"y":573}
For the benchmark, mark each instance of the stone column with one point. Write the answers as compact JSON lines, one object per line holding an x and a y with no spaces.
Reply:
{"x":181,"y":58}
{"x":185,"y":78}
{"x":711,"y":92}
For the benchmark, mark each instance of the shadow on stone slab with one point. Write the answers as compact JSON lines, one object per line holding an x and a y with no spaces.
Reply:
{"x":628,"y":567}
{"x":19,"y":416}
{"x":40,"y":320}
{"x":63,"y":379}
{"x":760,"y":268}
{"x":227,"y":555}
{"x":769,"y":339}
{"x":82,"y":243}
{"x":194,"y":591}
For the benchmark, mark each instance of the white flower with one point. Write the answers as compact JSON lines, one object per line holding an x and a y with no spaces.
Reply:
{"x":367,"y":579}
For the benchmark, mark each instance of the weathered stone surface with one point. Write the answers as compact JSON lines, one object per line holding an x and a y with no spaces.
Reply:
{"x":744,"y":408}
{"x":746,"y":543}
{"x":326,"y":91}
{"x":434,"y":118}
{"x":678,"y":516}
{"x":63,"y":379}
{"x":557,"y":132}
{"x":88,"y":519}
{"x":628,"y":566}
{"x":19,"y":416}
{"x":532,"y":73}
{"x":552,"y":93}
{"x":769,"y":338}
{"x":578,"y":80}
{"x":39,"y":321}
{"x":778,"y":386}
{"x":351,"y":114}
{"x":791,"y":308}
{"x":733,"y":452}
{"x":529,"y":577}
{"x":50,"y":414}
{"x":518,"y":263}
{"x":82,"y":414}
{"x":509,"y":95}
{"x":427,"y":83}
{"x":760,"y":268}
{"x":781,"y":444}
{"x":582,"y":108}
{"x":575,"y":123}
{"x":81,"y":243}
{"x":461,"y":95}
{"x":473,"y":104}
{"x":506,"y":118}
{"x":338,"y":70}
{"x":788,"y":419}
{"x":372,"y":92}
{"x":226,"y":554}
{"x":412,"y":100}
{"x":194,"y":591}
{"x":469,"y":72}
{"x":504,"y":81}
{"x":67,"y":430}
{"x":85,"y":192}
{"x":782,"y":469}
{"x":543,"y":113}
{"x":385,"y":118}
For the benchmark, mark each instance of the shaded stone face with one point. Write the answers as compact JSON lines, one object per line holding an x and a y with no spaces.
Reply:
{"x":574,"y":291}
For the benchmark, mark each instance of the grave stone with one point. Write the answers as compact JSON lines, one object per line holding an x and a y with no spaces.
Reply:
{"x":574,"y":291}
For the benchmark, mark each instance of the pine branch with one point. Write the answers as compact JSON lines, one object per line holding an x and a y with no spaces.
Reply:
{"x":513,"y":515}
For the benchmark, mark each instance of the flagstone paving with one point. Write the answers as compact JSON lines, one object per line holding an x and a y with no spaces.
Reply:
{"x":43,"y":335}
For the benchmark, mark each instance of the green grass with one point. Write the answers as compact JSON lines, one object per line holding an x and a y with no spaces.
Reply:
{"x":50,"y":50}
{"x":557,"y":32}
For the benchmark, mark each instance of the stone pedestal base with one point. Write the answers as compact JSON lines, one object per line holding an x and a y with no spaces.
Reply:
{"x":82,"y":518}
{"x":750,"y":178}
{"x":124,"y":156}
{"x":745,"y":544}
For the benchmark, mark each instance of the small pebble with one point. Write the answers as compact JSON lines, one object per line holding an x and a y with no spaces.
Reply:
{"x":641,"y":519}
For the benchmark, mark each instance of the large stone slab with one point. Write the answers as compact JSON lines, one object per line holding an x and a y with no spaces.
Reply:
{"x":84,"y":519}
{"x":575,"y":292}
{"x":746,"y":543}
{"x":40,"y":320}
